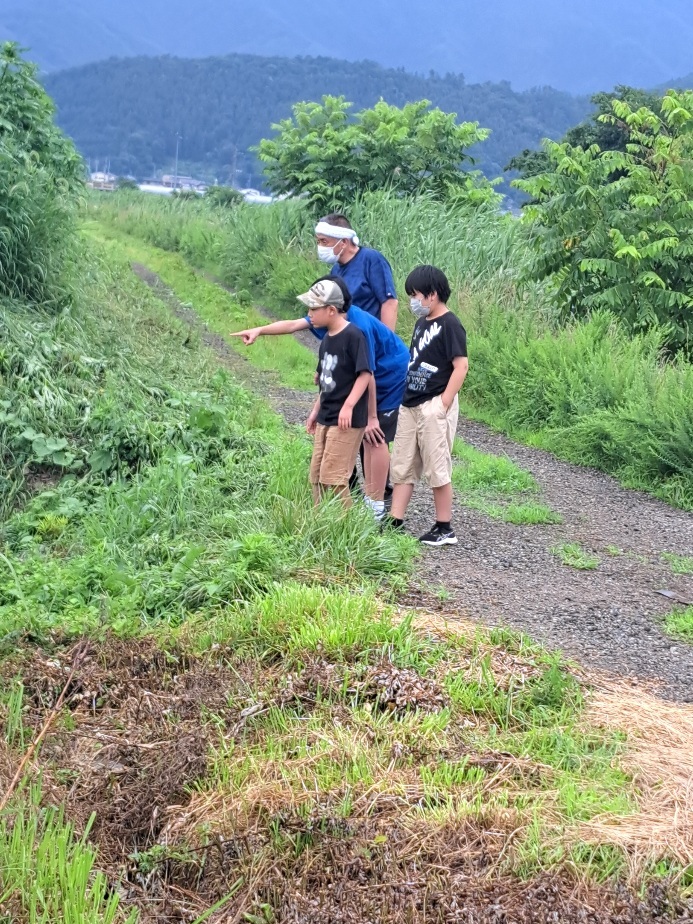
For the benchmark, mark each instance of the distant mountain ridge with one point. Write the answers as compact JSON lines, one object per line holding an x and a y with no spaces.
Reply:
{"x":128,"y":112}
{"x":577,"y":47}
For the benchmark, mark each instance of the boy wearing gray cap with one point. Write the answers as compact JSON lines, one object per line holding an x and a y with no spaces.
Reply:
{"x":340,"y":415}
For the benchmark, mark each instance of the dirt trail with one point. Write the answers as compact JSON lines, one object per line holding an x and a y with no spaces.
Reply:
{"x":500,"y":573}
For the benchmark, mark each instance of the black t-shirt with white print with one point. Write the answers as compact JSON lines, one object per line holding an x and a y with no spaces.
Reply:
{"x":342,"y":357}
{"x":434,"y":345}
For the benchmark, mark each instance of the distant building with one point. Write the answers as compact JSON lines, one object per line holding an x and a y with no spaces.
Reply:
{"x":182,"y":182}
{"x":101,"y":180}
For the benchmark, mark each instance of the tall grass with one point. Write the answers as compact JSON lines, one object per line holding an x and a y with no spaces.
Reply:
{"x":40,"y":186}
{"x":588,"y":391}
{"x":171,"y":489}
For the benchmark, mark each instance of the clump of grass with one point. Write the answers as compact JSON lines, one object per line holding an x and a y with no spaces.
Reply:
{"x":493,"y":484}
{"x":480,"y":471}
{"x":614,"y":551}
{"x":49,"y":874}
{"x":679,"y":564}
{"x":679,"y":623}
{"x":574,"y":556}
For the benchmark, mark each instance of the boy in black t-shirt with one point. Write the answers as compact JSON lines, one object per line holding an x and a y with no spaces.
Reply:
{"x":340,"y":415}
{"x":428,"y":416}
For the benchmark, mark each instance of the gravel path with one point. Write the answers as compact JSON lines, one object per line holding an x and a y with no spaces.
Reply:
{"x":502,"y":574}
{"x":609,"y":618}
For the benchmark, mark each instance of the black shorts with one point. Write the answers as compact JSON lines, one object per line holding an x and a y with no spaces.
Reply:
{"x":388,"y":423}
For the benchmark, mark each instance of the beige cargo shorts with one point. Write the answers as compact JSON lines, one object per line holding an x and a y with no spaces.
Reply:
{"x":423,"y":443}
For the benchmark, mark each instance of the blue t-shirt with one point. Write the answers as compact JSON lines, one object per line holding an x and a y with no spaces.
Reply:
{"x":389,"y":357}
{"x":368,"y":277}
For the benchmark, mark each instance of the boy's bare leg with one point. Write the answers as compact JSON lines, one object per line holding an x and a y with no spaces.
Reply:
{"x":317,"y":493}
{"x":442,"y":498}
{"x":377,"y":464}
{"x":401,"y":495}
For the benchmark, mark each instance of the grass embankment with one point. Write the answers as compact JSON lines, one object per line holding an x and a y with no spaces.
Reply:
{"x":588,"y":391}
{"x":291,"y":363}
{"x":232,"y":713}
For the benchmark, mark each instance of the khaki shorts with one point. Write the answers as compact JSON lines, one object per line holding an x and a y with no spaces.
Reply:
{"x":423,"y":443}
{"x":334,"y":454}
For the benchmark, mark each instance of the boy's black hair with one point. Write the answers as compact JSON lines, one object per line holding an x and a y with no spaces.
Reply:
{"x":337,"y":219}
{"x":343,"y":286}
{"x":427,"y":280}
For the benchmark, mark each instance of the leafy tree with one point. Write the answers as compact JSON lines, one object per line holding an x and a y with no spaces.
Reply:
{"x":322,"y":154}
{"x":610,"y":136}
{"x":41,"y":176}
{"x":614,"y":229}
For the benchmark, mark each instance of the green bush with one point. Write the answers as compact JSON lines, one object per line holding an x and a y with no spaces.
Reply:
{"x":614,"y":229}
{"x":329,"y":159}
{"x":40,"y":186}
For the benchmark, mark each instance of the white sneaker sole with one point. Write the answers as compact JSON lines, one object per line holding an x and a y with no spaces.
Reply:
{"x":449,"y":541}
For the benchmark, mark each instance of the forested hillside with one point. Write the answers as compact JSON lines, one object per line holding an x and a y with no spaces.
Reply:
{"x":130,"y":110}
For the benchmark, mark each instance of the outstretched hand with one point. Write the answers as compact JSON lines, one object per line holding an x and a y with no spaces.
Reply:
{"x":249,"y":336}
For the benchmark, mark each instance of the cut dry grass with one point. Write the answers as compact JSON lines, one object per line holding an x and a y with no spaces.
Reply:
{"x":659,"y":755}
{"x":306,"y":779}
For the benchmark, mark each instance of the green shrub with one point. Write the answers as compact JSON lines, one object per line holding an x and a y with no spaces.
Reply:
{"x":614,"y":229}
{"x":40,"y":186}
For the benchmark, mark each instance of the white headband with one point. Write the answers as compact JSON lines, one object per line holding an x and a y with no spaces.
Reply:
{"x":341,"y":234}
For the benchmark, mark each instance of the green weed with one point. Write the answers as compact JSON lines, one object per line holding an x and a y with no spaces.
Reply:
{"x":48,"y":873}
{"x":679,"y":623}
{"x":679,"y":564}
{"x":490,"y":484}
{"x":574,"y":556}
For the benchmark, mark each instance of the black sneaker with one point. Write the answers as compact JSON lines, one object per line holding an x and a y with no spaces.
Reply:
{"x":389,"y":523}
{"x":439,"y":536}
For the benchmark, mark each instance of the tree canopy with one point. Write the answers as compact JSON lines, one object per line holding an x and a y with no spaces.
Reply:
{"x":322,"y":154}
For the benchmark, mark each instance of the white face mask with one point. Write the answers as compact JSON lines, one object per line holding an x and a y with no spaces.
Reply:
{"x":417,"y":309}
{"x":327,"y":254}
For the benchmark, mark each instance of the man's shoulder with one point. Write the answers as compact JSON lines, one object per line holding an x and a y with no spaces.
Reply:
{"x":372,"y":256}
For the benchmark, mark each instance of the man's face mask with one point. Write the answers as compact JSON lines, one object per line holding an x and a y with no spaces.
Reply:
{"x":327,"y":254}
{"x":417,"y":309}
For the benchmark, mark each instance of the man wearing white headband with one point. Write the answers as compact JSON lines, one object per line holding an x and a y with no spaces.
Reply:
{"x":366,"y":272}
